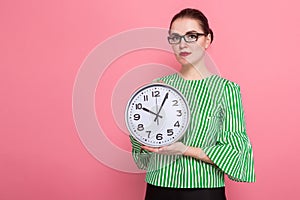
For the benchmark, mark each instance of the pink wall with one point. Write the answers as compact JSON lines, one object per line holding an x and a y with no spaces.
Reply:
{"x":43,"y":44}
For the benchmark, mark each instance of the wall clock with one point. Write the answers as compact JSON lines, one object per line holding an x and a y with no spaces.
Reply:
{"x":157,"y":115}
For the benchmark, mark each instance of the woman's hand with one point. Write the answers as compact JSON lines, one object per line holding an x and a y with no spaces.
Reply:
{"x":178,"y":148}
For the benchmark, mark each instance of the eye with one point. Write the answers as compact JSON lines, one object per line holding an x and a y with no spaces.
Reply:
{"x":192,"y":36}
{"x":174,"y":38}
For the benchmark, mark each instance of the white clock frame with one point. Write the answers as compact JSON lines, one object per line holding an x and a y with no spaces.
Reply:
{"x":157,"y":115}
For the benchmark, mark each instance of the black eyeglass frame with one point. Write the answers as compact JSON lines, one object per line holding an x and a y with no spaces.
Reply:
{"x":183,"y":36}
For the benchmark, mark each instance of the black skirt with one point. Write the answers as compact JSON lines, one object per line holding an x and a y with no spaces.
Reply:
{"x":164,"y":193}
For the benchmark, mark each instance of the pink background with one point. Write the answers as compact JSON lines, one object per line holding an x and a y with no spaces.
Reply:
{"x":43,"y":45}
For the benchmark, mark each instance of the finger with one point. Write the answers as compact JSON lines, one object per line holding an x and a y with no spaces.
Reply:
{"x":162,"y":149}
{"x":152,"y":149}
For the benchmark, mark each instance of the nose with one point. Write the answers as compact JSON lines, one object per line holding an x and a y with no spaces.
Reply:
{"x":182,"y":44}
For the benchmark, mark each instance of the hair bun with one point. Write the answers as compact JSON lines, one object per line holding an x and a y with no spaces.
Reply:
{"x":211,"y":35}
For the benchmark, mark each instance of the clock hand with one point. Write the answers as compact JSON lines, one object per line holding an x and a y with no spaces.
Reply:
{"x":156,"y":106}
{"x":147,"y":110}
{"x":165,"y":98}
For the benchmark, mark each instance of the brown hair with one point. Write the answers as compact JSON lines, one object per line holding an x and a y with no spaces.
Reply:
{"x":197,"y":15}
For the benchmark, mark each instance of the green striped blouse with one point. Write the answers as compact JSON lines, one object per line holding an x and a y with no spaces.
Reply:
{"x":217,"y":126}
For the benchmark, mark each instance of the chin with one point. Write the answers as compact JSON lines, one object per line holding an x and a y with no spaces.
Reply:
{"x":182,"y":61}
{"x":185,"y":63}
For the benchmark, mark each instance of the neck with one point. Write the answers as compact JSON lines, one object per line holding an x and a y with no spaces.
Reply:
{"x":191,"y":72}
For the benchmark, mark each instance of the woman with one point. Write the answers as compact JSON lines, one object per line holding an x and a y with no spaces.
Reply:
{"x":215,"y":143}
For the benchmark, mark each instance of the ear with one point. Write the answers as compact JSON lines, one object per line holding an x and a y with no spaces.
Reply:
{"x":207,"y":41}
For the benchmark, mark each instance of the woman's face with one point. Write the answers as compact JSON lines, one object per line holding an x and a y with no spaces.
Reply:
{"x":189,"y":53}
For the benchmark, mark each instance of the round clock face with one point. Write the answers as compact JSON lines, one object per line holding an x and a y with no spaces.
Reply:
{"x":157,"y":115}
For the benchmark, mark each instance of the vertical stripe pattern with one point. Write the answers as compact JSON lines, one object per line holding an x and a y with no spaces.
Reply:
{"x":217,"y":126}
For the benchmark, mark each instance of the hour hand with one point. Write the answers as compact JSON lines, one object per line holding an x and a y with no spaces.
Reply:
{"x":147,"y":110}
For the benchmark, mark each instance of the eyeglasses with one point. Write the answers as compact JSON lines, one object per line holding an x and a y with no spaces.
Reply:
{"x":189,"y":38}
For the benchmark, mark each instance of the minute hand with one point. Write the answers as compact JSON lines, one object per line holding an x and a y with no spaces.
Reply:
{"x":166,"y":96}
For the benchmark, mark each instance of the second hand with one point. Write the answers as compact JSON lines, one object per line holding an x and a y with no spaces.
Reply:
{"x":156,"y":109}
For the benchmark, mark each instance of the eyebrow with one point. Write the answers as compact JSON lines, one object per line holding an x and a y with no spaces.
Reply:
{"x":193,"y":31}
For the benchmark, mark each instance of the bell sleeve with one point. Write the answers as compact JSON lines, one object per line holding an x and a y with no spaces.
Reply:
{"x":140,"y":156}
{"x":232,"y":152}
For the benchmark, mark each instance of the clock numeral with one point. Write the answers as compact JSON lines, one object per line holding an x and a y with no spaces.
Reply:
{"x":155,"y":94}
{"x":177,"y":124}
{"x":159,"y":136}
{"x":145,"y":97}
{"x":136,"y":117}
{"x":140,"y":127}
{"x":170,"y":132}
{"x":149,"y":132}
{"x":179,"y":113}
{"x":175,"y":103}
{"x":138,"y":106}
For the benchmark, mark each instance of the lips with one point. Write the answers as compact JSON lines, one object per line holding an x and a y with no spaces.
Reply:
{"x":184,"y":54}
